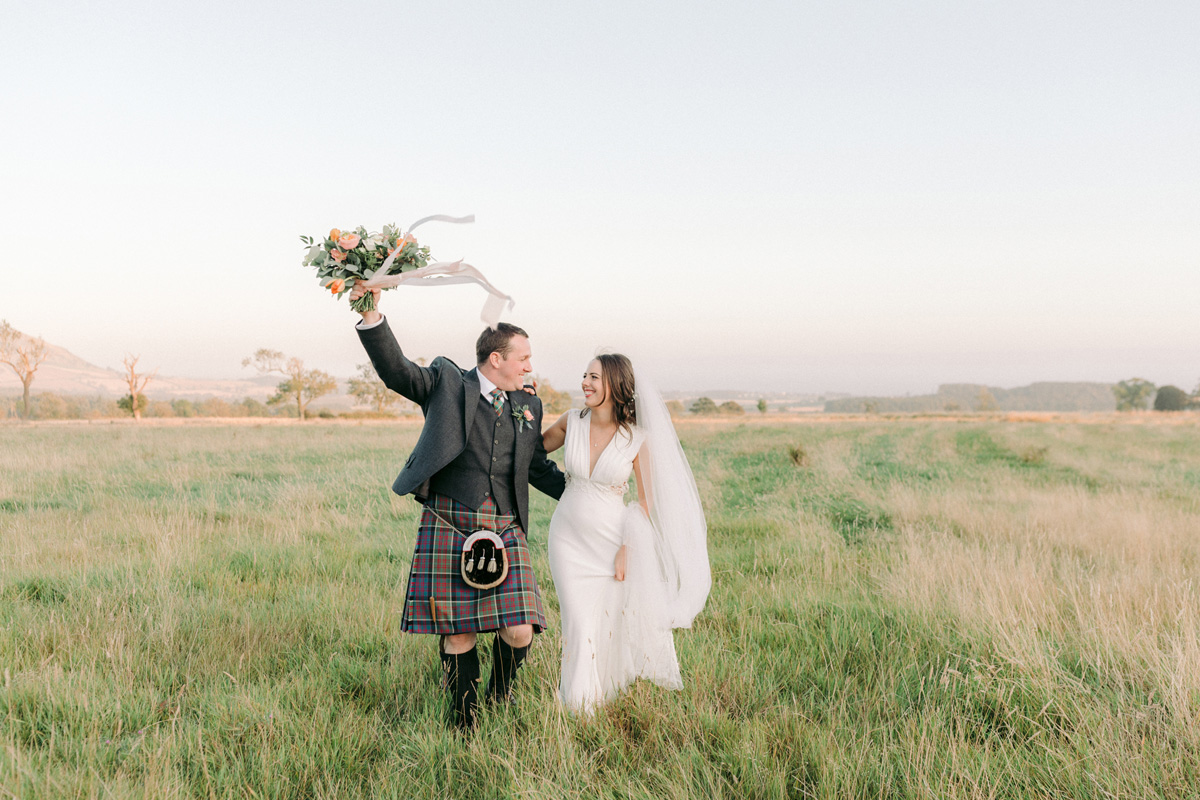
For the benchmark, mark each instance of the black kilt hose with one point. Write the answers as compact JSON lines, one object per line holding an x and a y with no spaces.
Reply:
{"x":438,"y":600}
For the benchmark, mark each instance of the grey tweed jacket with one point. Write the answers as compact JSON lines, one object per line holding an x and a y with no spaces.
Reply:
{"x":448,"y":396}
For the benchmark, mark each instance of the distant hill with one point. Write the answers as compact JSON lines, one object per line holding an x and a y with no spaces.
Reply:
{"x":971,"y":397}
{"x":63,"y":372}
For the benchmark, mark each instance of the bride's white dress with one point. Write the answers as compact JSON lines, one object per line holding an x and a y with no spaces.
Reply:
{"x":611,"y":633}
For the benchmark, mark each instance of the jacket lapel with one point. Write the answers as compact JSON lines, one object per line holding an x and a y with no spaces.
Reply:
{"x":523,"y":443}
{"x":470,"y":399}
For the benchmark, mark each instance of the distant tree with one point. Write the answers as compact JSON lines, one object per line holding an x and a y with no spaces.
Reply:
{"x":950,"y":405}
{"x":160,"y":408}
{"x":369,"y":390}
{"x":50,"y":406}
{"x":762,"y":405}
{"x":24,"y":355}
{"x":183,"y":407}
{"x":253,"y":408}
{"x":553,"y":401}
{"x":135,"y":402}
{"x":302,"y":385}
{"x":1171,"y":398}
{"x":215,"y":407}
{"x":985,"y":401}
{"x":675,"y":408}
{"x":870,"y":406}
{"x":731,"y":407}
{"x":1133,"y":394}
{"x":704,"y":405}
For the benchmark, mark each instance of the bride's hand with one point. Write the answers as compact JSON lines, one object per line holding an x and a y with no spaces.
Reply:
{"x":619,"y":564}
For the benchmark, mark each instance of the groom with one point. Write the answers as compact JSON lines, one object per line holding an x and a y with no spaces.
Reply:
{"x":479,"y":450}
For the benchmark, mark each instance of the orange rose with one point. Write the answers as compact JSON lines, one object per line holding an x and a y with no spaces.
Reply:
{"x":335,"y":234}
{"x":349,"y":241}
{"x":336,"y":285}
{"x":338,"y":256}
{"x":402,"y":242}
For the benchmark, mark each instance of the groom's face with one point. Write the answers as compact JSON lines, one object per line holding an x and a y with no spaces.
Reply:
{"x":511,"y":371}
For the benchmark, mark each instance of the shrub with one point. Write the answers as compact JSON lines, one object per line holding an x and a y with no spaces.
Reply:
{"x":798,"y":455}
{"x":1171,"y":398}
{"x":1034,"y":455}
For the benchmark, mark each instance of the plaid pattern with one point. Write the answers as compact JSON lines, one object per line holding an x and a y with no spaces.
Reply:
{"x":497,"y":401}
{"x":435,"y":574}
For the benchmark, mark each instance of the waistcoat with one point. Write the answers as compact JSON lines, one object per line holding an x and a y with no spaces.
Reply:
{"x":485,"y":468}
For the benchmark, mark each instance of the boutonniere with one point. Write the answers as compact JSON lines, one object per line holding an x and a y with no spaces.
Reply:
{"x":523,"y":416}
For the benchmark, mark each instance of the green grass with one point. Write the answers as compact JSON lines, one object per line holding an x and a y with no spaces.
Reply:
{"x":911,"y":608}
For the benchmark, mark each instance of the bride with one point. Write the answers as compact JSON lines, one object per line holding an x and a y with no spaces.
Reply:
{"x":625,"y":575}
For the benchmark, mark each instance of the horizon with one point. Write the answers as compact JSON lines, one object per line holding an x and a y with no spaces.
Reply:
{"x":9,"y":382}
{"x":804,"y":199}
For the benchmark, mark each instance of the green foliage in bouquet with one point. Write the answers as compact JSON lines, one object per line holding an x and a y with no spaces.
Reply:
{"x":343,"y":258}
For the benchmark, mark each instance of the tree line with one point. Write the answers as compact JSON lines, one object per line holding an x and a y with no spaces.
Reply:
{"x":1134,"y":395}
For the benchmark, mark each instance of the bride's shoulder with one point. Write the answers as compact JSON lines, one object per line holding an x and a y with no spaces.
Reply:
{"x":638,"y":436}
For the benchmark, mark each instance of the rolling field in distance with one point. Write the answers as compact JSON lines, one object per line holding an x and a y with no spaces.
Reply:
{"x":901,"y":608}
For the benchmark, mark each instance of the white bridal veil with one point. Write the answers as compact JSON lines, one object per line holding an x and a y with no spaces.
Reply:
{"x":674,"y":583}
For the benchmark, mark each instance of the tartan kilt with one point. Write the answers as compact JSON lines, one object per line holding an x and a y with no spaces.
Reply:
{"x":435,"y":574}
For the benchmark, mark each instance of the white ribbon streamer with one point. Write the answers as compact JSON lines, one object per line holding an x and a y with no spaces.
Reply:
{"x":444,"y":273}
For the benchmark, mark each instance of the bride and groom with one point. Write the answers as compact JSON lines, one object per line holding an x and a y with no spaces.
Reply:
{"x":625,"y":576}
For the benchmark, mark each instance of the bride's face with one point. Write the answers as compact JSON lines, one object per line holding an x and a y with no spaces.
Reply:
{"x":595,"y":392}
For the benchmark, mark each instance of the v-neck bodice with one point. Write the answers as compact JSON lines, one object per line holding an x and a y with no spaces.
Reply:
{"x":615,"y":462}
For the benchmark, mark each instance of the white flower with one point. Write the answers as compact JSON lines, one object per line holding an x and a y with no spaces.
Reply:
{"x":375,"y":240}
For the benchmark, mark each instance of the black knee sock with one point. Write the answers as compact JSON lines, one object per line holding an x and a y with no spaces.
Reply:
{"x":506,"y":659}
{"x":462,"y":679}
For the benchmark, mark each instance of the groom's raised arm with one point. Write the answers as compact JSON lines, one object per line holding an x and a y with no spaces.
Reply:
{"x":393,"y":367}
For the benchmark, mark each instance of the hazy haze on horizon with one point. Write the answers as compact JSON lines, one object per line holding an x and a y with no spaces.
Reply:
{"x":771,"y":197}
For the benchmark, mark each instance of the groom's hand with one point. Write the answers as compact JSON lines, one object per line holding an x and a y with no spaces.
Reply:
{"x":357,"y":291}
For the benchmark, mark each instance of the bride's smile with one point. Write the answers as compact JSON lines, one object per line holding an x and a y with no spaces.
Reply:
{"x":593,"y":387}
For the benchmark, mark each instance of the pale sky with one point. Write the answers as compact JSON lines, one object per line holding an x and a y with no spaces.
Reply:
{"x":807,"y":197}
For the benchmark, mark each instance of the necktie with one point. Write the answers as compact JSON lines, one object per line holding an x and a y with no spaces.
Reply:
{"x":497,"y":400}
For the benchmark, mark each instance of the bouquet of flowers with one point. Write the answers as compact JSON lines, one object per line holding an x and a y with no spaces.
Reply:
{"x":343,"y":258}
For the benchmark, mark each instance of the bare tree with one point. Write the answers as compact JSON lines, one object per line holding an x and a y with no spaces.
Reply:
{"x":24,"y":354}
{"x":305,"y":385}
{"x":368,"y":389}
{"x":135,"y":402}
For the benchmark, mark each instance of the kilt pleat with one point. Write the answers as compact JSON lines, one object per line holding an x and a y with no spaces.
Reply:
{"x":435,"y":576}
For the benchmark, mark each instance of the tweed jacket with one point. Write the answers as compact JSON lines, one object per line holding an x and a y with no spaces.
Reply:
{"x":448,"y":397}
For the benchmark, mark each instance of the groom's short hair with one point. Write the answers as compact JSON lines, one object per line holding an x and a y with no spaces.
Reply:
{"x":496,"y":340}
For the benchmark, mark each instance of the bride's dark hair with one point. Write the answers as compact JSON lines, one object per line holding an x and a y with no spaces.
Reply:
{"x":617,"y":371}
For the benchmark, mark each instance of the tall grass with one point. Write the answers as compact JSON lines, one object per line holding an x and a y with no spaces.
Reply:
{"x":905,"y":608}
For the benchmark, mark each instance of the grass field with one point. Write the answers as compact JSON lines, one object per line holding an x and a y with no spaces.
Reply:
{"x":901,"y":608}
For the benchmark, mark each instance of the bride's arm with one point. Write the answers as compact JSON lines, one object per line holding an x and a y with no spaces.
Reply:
{"x":622,"y":559}
{"x":643,"y":491}
{"x":554,"y":436}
